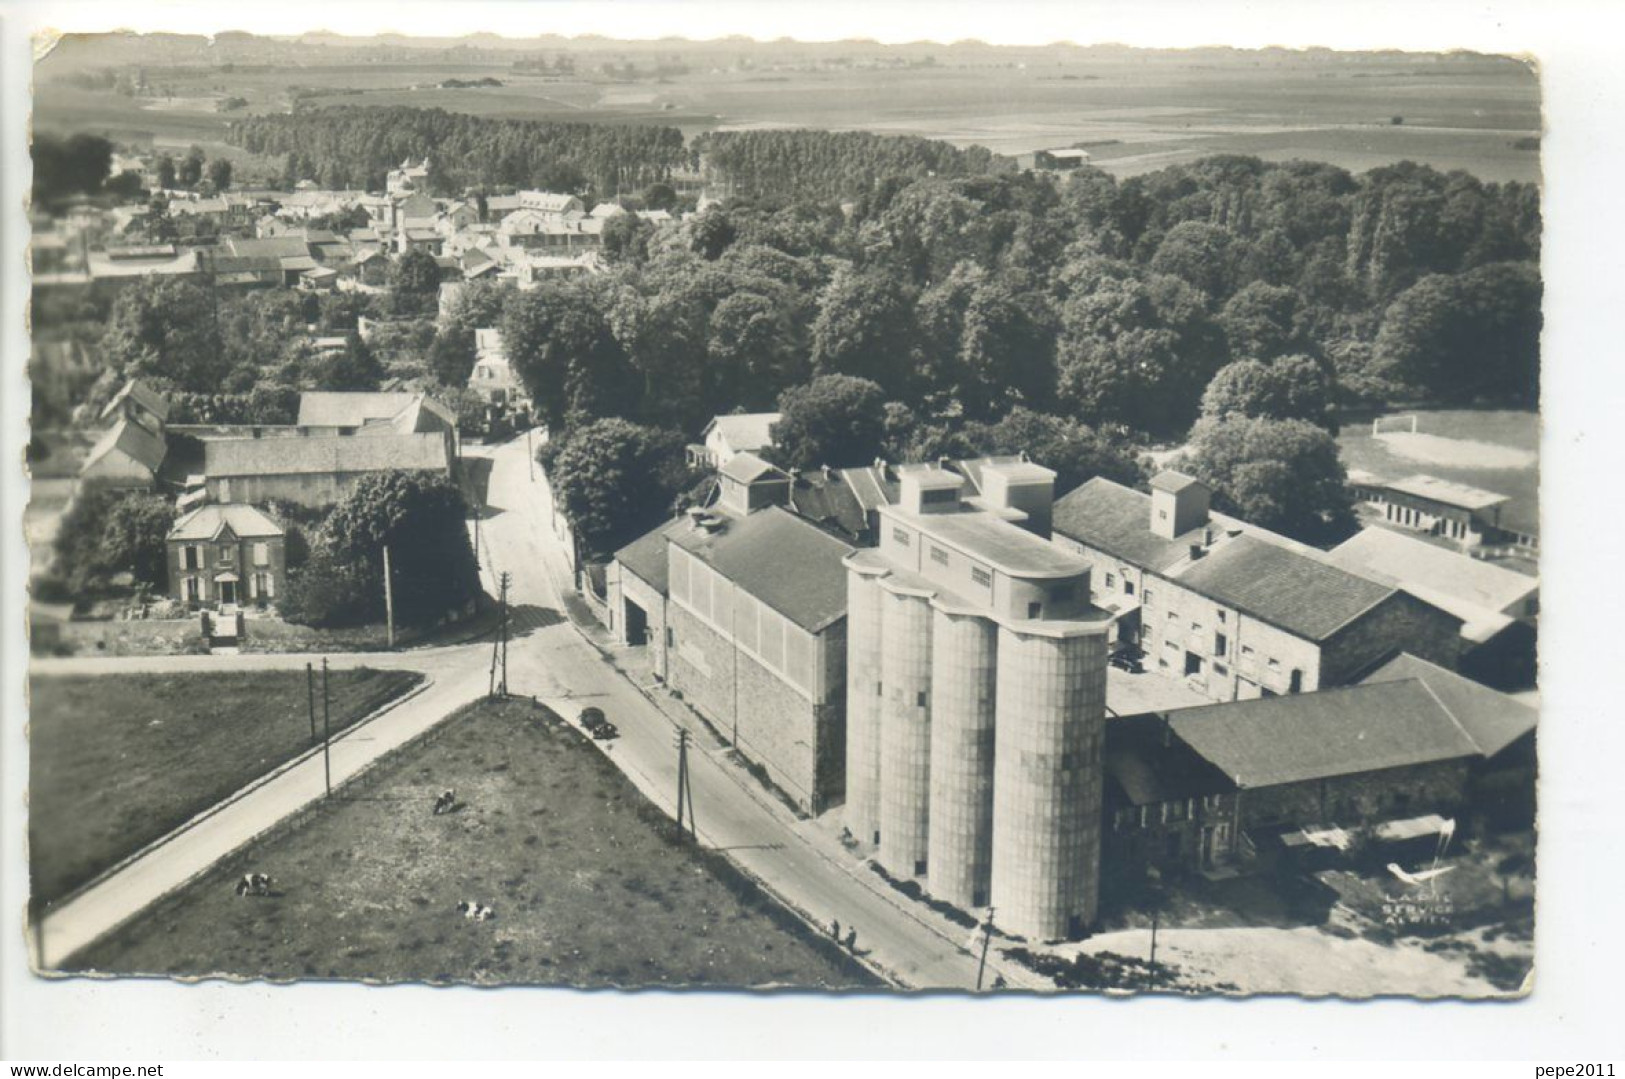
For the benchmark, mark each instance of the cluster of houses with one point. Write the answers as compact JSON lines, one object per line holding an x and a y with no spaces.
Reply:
{"x":267,"y":239}
{"x":224,"y":550}
{"x":927,"y":646}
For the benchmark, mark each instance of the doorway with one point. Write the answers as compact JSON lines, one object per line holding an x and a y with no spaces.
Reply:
{"x":637,"y":624}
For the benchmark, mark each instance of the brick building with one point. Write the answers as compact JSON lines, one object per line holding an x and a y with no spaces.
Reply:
{"x":226,"y":555}
{"x":1236,"y":611}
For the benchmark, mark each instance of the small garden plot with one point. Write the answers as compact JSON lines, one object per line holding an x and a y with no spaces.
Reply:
{"x":581,"y":881}
{"x":117,"y":761}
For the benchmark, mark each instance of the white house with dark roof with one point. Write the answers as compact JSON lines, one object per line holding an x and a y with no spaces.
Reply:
{"x":128,"y":455}
{"x":1234,"y":610}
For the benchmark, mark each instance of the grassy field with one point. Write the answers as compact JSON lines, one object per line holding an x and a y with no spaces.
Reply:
{"x":589,"y":884}
{"x":117,"y":761}
{"x":1512,"y":429}
{"x":1136,"y":112}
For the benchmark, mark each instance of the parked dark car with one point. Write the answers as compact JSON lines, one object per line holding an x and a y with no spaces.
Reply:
{"x":1127,"y":657}
{"x":594,"y":722}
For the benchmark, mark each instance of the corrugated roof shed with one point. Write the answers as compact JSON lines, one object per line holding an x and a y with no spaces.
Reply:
{"x":338,"y":409}
{"x":1336,"y":732}
{"x":1282,"y":587}
{"x":337,"y":454}
{"x":1413,"y":561}
{"x":789,"y":564}
{"x":1492,"y":720}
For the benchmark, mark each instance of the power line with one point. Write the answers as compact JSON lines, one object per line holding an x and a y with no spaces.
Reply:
{"x":685,"y":789}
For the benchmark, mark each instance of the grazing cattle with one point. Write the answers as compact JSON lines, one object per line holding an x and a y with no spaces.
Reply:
{"x":446,"y":802}
{"x":253,"y":884}
{"x":475,"y":912}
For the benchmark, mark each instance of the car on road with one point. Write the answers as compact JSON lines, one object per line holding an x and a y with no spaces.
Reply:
{"x":1127,"y":658}
{"x":595,"y":723}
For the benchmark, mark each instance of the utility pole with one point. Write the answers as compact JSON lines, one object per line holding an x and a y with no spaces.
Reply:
{"x":327,"y":733}
{"x":987,"y":941}
{"x":389,"y":598}
{"x":310,"y":699}
{"x":685,"y":789}
{"x":1155,"y":876}
{"x":499,"y":648}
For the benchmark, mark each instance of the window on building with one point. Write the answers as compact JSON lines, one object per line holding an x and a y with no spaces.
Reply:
{"x":1222,"y":617}
{"x":1220,"y":644}
{"x":1162,"y":515}
{"x":1170,"y":646}
{"x":1128,"y":588}
{"x":671,"y":638}
{"x":1145,"y":815}
{"x":1035,"y":610}
{"x":1246,"y":649}
{"x":228,"y":553}
{"x":262,"y":554}
{"x":920,"y":699}
{"x":189,"y":589}
{"x":1193,"y":663}
{"x":1111,"y":580}
{"x":900,"y":537}
{"x":1147,"y":598}
{"x":1196,"y":627}
{"x":981,"y":576}
{"x":880,"y":689}
{"x":1295,"y":684}
{"x":1211,"y":801}
{"x":939,"y":556}
{"x":1173,"y":616}
{"x":1177,"y":811}
{"x":1275,"y":664}
{"x":1220,"y":669}
{"x":191,"y":557}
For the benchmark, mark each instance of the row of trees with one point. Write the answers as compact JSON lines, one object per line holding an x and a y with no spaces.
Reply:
{"x":344,"y":147}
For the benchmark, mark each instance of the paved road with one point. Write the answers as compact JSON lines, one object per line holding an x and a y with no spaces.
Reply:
{"x":801,"y":861}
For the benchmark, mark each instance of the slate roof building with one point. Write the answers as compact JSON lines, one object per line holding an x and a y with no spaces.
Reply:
{"x":317,"y":470}
{"x":758,"y":649}
{"x":1237,"y":611}
{"x":1204,"y":788}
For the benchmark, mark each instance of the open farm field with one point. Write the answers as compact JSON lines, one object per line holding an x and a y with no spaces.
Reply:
{"x":588,"y":883}
{"x":117,"y":761}
{"x":1135,"y":112}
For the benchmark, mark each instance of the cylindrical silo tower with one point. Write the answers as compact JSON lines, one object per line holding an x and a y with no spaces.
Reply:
{"x":964,"y":656}
{"x":863,"y":702}
{"x":905,"y":727}
{"x":1051,"y":707}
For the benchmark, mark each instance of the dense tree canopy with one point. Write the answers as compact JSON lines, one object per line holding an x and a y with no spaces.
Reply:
{"x":164,"y":329}
{"x":615,"y":480}
{"x":420,"y":517}
{"x":1283,"y":475}
{"x":1290,"y":388}
{"x":834,"y":420}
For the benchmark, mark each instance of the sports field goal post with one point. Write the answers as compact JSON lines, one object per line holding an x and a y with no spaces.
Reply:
{"x":1393,"y":423}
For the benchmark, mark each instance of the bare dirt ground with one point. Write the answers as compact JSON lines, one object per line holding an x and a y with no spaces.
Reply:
{"x":1455,"y":452}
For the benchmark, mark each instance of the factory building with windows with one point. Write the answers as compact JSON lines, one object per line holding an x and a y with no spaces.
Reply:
{"x":976,"y":697}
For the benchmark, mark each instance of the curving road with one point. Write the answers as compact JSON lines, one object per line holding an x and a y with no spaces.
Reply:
{"x":802,"y":862}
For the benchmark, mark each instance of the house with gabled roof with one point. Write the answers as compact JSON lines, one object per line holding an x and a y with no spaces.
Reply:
{"x":128,"y":455}
{"x":1399,"y":754}
{"x":137,"y":401}
{"x":1234,"y":610}
{"x":725,"y":436}
{"x":226,"y":555}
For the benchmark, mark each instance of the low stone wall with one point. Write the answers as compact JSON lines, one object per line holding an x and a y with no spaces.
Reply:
{"x":133,"y":637}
